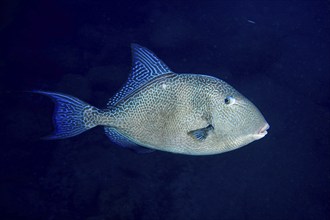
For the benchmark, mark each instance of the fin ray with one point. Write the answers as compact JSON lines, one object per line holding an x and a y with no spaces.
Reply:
{"x":201,"y":134}
{"x":146,"y":66}
{"x":68,"y":115}
{"x":124,"y":142}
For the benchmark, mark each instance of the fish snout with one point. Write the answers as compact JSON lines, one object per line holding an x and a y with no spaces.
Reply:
{"x":262,"y":131}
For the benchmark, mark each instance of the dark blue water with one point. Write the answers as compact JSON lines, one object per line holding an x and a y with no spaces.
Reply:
{"x":274,"y":52}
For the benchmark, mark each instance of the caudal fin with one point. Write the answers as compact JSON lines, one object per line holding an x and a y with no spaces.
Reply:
{"x":68,"y":115}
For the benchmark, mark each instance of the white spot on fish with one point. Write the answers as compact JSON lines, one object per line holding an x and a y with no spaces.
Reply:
{"x":252,"y":22}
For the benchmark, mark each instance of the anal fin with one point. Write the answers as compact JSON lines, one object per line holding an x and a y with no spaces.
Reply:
{"x":124,"y":142}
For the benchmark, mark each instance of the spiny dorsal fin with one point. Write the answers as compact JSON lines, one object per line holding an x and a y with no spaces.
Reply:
{"x":145,"y":67}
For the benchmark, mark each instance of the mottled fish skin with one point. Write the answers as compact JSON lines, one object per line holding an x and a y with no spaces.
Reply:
{"x":158,"y":109}
{"x":161,"y":115}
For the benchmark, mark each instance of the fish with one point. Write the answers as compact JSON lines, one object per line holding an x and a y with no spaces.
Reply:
{"x":158,"y":109}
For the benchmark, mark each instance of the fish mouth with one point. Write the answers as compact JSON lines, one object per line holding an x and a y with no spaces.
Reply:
{"x":262,"y":131}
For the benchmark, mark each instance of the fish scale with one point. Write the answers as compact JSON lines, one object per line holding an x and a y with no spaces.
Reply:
{"x":158,"y":109}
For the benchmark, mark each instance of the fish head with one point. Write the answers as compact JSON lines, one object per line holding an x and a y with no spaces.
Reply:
{"x":236,"y":120}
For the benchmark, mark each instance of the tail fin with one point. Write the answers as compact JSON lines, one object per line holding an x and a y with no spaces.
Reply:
{"x":68,"y":116}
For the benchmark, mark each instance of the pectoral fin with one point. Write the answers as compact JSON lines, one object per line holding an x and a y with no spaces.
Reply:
{"x":202,"y":133}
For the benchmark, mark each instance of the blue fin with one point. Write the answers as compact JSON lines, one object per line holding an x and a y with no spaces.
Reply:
{"x":121,"y":140}
{"x":68,"y":115}
{"x":201,"y":134}
{"x":146,"y":66}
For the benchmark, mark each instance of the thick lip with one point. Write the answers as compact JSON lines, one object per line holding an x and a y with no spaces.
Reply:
{"x":263,"y":130}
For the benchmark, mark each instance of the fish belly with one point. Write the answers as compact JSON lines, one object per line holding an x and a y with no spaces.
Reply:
{"x":160,"y":115}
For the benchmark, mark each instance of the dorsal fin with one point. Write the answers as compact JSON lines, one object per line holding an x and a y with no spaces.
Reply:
{"x":145,"y":67}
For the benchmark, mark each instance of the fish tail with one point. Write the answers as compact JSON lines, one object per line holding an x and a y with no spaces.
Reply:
{"x":71,"y":116}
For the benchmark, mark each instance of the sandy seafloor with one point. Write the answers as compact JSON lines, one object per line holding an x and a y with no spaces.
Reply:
{"x":276,"y":53}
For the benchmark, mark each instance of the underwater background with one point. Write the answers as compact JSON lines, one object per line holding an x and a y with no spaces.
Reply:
{"x":276,"y":53}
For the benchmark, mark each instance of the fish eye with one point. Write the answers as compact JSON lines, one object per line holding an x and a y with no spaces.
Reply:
{"x":229,"y":100}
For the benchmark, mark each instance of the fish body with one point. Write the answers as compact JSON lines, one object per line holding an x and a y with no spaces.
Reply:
{"x":158,"y":109}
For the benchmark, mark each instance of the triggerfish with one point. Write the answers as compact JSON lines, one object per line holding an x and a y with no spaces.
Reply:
{"x":158,"y":109}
